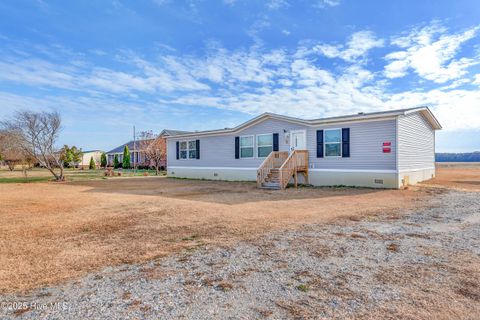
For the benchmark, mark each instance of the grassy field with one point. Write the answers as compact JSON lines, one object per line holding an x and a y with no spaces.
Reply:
{"x":43,"y":175}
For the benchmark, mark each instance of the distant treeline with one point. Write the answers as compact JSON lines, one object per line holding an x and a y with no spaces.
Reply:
{"x":458,"y":157}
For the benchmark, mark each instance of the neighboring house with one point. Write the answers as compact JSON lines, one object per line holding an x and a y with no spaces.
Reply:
{"x":136,"y":153}
{"x":87,"y":155}
{"x":382,"y":149}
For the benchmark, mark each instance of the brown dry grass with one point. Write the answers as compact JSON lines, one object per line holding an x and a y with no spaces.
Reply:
{"x":458,"y":176}
{"x":53,"y":232}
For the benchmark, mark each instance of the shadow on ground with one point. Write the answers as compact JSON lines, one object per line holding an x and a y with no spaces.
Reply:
{"x":221,"y":192}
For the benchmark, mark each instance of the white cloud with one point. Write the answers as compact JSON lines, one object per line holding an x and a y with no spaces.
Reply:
{"x":251,"y":80}
{"x":429,"y":51}
{"x":477,"y":79}
{"x":327,"y":3}
{"x":277,"y":4}
{"x":356,"y":47}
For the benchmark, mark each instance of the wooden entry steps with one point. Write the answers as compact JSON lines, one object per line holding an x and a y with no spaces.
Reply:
{"x":279,"y":168}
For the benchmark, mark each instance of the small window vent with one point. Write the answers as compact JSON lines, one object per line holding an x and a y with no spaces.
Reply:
{"x":378,"y":181}
{"x":215,"y":174}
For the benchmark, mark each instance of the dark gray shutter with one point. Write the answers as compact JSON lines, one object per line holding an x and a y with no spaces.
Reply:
{"x":178,"y":150}
{"x":346,"y":142}
{"x":237,"y":147}
{"x":198,"y":148}
{"x":319,"y":143}
{"x":275,"y":142}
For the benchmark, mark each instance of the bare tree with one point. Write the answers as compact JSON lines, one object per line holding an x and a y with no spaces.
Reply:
{"x":10,"y":150}
{"x":154,"y":149}
{"x":37,"y":134}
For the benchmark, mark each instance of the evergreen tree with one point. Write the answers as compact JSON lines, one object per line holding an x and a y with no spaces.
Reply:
{"x":92,"y":165}
{"x":116,"y":164}
{"x":77,"y":155}
{"x":126,"y":158}
{"x":103,"y":160}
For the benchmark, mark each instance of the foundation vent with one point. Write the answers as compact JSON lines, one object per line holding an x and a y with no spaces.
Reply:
{"x":378,"y":181}
{"x":215,"y":174}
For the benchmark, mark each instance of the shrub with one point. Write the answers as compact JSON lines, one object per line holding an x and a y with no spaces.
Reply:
{"x":116,"y":164}
{"x":91,"y":166}
{"x":126,"y":158}
{"x":103,"y":160}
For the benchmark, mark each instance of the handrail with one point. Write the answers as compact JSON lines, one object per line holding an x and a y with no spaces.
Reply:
{"x":287,"y":164}
{"x":267,"y":165}
{"x":286,"y":170}
{"x":298,"y":159}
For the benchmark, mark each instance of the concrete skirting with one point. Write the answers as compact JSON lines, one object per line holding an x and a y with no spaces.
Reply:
{"x":371,"y":179}
{"x":317,"y":177}
{"x":210,"y":173}
{"x":415,"y":176}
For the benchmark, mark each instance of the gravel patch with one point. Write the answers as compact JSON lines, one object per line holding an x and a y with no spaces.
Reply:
{"x":419,"y":265}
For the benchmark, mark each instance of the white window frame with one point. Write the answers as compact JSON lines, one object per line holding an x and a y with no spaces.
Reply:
{"x":257,"y":146}
{"x":180,"y":150}
{"x":188,"y":147}
{"x":325,"y":143}
{"x":240,"y":146}
{"x":187,"y":150}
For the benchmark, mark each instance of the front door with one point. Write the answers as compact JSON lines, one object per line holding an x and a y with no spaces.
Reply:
{"x":298,"y":140}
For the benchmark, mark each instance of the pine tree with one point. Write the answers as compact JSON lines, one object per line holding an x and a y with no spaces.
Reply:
{"x":126,"y":158}
{"x":116,"y":164}
{"x":103,"y":160}
{"x":92,"y":165}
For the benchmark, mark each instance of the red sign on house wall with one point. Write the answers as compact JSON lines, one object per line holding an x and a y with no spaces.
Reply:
{"x":386,"y":147}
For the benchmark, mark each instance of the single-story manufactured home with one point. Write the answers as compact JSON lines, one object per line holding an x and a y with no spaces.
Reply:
{"x":387,"y":149}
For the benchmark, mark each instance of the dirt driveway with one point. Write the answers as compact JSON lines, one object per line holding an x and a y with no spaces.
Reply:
{"x":53,"y":232}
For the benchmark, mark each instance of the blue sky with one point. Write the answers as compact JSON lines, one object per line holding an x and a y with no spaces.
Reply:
{"x":198,"y":64}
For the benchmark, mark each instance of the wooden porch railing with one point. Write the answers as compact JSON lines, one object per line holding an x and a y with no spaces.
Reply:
{"x":274,"y":160}
{"x":296,"y":161}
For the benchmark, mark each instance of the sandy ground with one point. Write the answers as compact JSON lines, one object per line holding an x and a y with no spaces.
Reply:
{"x":52,"y":232}
{"x":418,"y":264}
{"x":459,"y":176}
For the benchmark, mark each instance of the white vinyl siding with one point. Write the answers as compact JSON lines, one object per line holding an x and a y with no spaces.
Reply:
{"x":366,"y":146}
{"x":366,"y":142}
{"x":416,"y":143}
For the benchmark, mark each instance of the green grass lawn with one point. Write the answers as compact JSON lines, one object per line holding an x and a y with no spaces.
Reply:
{"x":43,"y":175}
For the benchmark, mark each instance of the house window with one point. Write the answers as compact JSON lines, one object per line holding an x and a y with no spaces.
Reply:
{"x":188,"y":150}
{"x":183,"y":150}
{"x":192,"y":149}
{"x":246,"y":147}
{"x":264,"y":145}
{"x":333,"y":143}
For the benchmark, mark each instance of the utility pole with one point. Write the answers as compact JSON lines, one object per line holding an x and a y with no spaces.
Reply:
{"x":134,"y":151}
